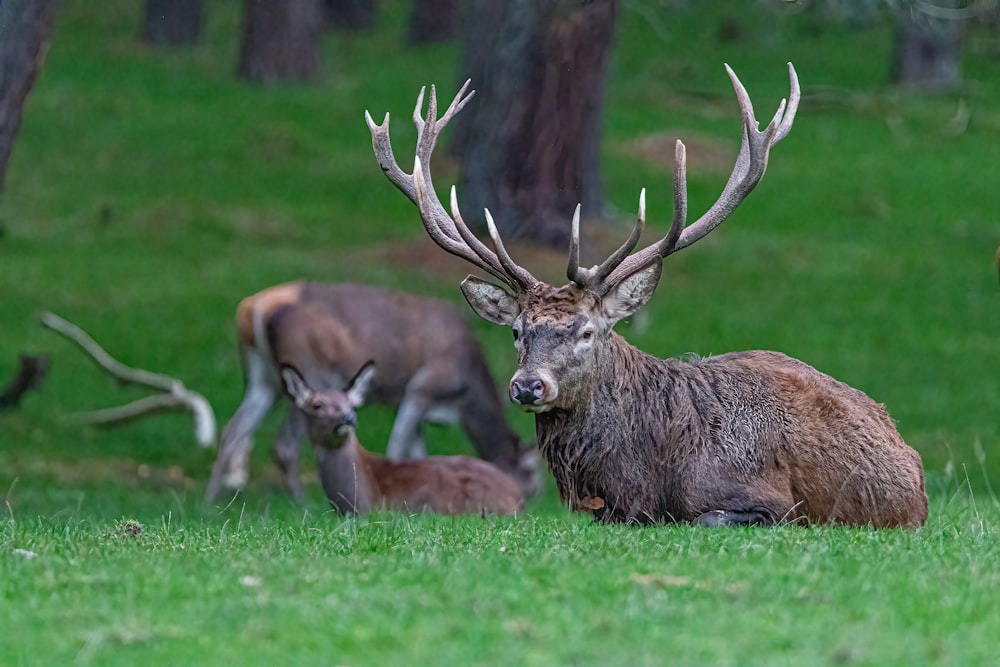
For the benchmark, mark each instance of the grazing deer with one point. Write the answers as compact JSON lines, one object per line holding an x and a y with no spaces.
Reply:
{"x":741,"y":438}
{"x":357,"y":482}
{"x":430,"y":366}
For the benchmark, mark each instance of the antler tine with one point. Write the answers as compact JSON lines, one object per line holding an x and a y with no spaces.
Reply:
{"x":573,"y":267}
{"x":454,"y":228}
{"x":611,"y":263}
{"x":449,"y":232}
{"x":383,"y":153}
{"x":427,"y":132}
{"x":752,"y":160}
{"x":443,"y":230}
{"x":593,"y":277}
{"x":489,"y":258}
{"x":520,"y":275}
{"x":457,"y":104}
{"x":428,"y":129}
{"x":418,"y":109}
{"x":665,"y":246}
{"x":787,"y":114}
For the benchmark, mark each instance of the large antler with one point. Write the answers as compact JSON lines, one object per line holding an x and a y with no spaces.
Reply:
{"x":449,"y":232}
{"x":747,"y":172}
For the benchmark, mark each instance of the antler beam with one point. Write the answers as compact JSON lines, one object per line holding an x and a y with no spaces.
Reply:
{"x":449,"y":231}
{"x":747,"y":172}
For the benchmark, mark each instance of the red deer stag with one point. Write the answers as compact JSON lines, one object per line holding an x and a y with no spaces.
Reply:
{"x":742,"y":438}
{"x":430,"y":366}
{"x":357,"y":482}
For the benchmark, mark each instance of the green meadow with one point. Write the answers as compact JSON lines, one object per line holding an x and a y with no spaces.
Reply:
{"x":150,"y":190}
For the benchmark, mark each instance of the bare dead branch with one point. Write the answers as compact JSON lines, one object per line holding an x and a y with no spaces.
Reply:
{"x":176,"y":394}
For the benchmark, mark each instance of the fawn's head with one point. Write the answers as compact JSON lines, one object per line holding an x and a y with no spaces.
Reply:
{"x":330,"y":413}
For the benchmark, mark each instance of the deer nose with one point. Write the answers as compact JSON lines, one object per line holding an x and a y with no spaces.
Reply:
{"x":346,"y":423}
{"x":527,"y":390}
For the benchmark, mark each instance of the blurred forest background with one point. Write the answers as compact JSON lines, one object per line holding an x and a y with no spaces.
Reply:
{"x":164,"y":169}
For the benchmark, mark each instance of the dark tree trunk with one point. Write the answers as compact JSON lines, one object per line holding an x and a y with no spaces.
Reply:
{"x":171,"y":22}
{"x":350,"y":14}
{"x":281,"y":40}
{"x":927,"y":52}
{"x":529,"y":143}
{"x":432,"y":21}
{"x":24,"y":33}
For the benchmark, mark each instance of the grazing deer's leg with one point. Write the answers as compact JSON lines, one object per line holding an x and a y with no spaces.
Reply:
{"x":230,"y":469}
{"x":286,"y":451}
{"x":429,"y":395}
{"x":406,"y":440}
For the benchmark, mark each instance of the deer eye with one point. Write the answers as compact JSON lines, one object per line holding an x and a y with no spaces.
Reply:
{"x":517,"y":334}
{"x":317,"y":405}
{"x":586,"y":334}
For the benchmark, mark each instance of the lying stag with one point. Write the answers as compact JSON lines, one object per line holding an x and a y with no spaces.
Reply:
{"x":742,"y":438}
{"x":357,"y":482}
{"x":430,"y":366}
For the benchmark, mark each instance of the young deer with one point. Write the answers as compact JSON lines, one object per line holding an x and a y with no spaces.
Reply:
{"x":357,"y":482}
{"x":430,"y":366}
{"x":742,"y":438}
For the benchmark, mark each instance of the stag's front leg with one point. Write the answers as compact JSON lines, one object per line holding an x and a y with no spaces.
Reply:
{"x":766,"y":513}
{"x":735,"y":518}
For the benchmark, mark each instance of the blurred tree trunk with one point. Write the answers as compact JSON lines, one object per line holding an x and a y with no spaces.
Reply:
{"x":927,"y":49}
{"x":281,"y":40}
{"x":432,"y":21}
{"x":529,"y":143}
{"x":25,"y":26}
{"x":350,"y":14}
{"x":169,"y":22}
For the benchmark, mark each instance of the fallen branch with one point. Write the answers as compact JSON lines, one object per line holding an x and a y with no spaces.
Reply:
{"x":30,"y":375}
{"x":176,"y":394}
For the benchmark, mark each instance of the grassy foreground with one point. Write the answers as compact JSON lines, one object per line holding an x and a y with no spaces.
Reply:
{"x":149,"y":191}
{"x":292,"y":587}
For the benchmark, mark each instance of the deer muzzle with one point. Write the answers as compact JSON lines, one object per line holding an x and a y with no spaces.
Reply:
{"x":533,"y":392}
{"x":346,"y":424}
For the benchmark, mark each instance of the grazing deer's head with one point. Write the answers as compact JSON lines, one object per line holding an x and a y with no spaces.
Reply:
{"x":560,"y":332}
{"x":329,"y":413}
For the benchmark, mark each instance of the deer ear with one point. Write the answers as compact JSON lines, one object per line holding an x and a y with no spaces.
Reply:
{"x":294,"y":384}
{"x":632,"y":293}
{"x":360,"y":384}
{"x":493,"y":304}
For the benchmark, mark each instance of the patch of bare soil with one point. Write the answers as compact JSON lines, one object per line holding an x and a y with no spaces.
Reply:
{"x":135,"y":474}
{"x":423,"y":255}
{"x":704,"y":154}
{"x":123,"y":471}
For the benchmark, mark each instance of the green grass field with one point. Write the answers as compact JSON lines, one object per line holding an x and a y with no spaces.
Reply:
{"x":149,"y":191}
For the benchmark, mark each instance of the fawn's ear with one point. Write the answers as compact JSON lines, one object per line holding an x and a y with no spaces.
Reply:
{"x":632,"y":294}
{"x":493,"y":304}
{"x":360,"y":384}
{"x":295,"y":385}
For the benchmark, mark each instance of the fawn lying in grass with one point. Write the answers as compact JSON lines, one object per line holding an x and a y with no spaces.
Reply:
{"x":357,"y":482}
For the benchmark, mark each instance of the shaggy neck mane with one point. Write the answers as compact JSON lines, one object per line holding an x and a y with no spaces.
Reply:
{"x":592,"y":449}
